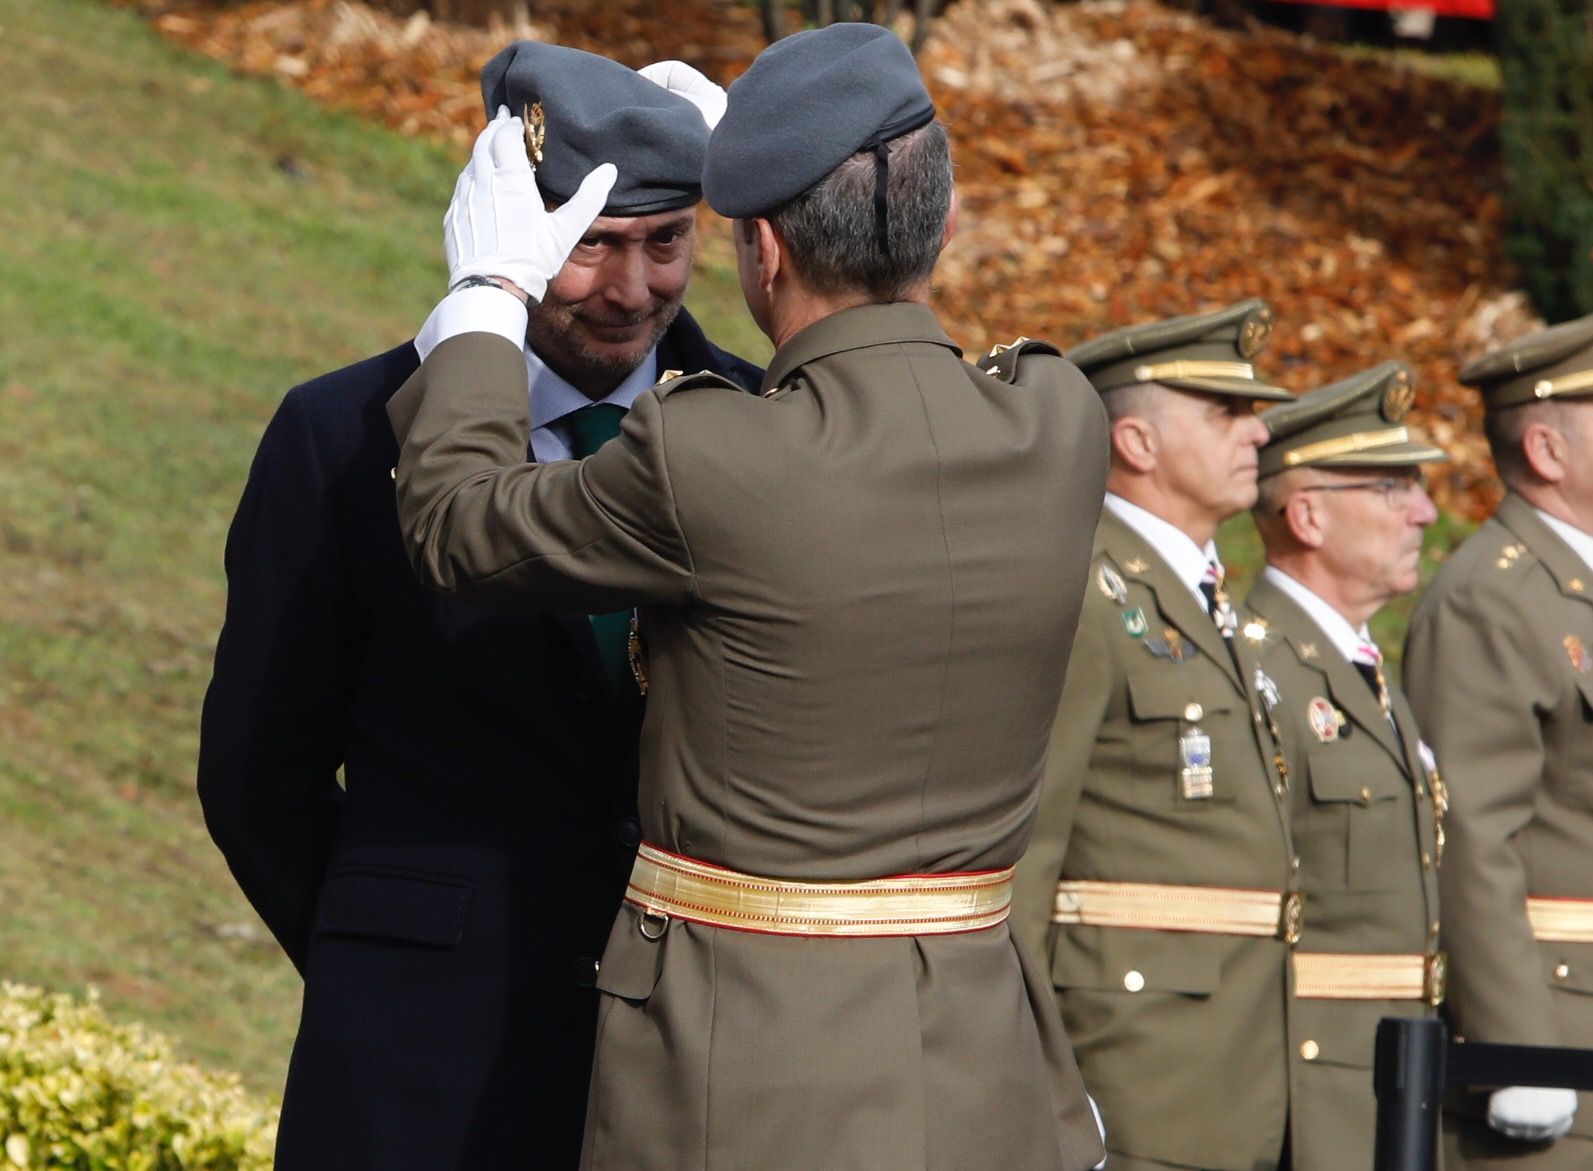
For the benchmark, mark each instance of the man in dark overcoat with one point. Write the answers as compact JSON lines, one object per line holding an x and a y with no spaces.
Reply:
{"x":447,"y":901}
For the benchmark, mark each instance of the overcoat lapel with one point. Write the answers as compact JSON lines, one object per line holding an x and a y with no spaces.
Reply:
{"x":1137,"y":561}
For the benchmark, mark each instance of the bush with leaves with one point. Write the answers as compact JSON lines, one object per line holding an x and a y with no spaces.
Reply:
{"x":81,"y":1093}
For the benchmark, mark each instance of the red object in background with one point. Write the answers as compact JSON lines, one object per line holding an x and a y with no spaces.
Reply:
{"x":1477,"y":9}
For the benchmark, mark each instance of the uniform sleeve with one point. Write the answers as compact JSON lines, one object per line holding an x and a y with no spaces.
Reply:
{"x":270,"y":739}
{"x":595,"y":536}
{"x":1085,"y":696}
{"x":1471,"y":679}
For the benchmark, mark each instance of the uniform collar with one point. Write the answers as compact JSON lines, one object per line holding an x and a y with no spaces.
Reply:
{"x":1344,"y":637}
{"x":552,"y":397}
{"x":1581,"y":543}
{"x":1186,"y":559}
{"x":855,"y":329}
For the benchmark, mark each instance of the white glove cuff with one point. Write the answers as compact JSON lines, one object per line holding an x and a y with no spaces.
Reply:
{"x":473,"y":310}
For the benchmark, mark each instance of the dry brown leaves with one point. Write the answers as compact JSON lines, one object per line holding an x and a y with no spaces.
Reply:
{"x":1117,"y":162}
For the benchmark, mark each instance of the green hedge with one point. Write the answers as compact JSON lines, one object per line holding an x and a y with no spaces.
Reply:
{"x":80,"y":1093}
{"x":1546,"y":61}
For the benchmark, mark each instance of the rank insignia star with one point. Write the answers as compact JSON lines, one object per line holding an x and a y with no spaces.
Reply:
{"x":1308,"y":650}
{"x":1135,"y":565}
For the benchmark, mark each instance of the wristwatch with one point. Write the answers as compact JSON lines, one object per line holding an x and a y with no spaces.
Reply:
{"x":476,"y":282}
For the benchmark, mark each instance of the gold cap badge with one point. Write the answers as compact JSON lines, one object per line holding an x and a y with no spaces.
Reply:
{"x":536,"y":131}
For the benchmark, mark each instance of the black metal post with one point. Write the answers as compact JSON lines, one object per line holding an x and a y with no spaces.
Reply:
{"x":1408,"y":1078}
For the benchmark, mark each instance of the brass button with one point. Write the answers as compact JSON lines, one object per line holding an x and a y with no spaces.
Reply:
{"x":1310,"y":1050}
{"x":1277,"y":790}
{"x":1432,"y":928}
{"x":1427,"y":860}
{"x":1366,"y":795}
{"x":1562,"y":971}
{"x":1133,"y":981}
{"x":1294,"y":864}
{"x":1193,"y":712}
{"x":393,"y":472}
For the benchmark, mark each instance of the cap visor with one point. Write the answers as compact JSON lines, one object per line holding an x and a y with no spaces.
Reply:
{"x":1232,"y":387}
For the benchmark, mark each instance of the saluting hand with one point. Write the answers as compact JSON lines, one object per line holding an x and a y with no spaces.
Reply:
{"x":679,"y":78}
{"x":496,"y":224}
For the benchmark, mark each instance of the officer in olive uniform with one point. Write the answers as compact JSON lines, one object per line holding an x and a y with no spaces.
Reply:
{"x":1499,"y":665}
{"x":1341,"y":512}
{"x":859,"y":594}
{"x":1158,"y":886}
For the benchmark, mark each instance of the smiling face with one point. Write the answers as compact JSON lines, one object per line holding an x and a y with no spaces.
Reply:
{"x":615,"y":296}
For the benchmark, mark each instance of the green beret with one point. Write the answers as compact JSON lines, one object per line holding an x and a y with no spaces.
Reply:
{"x":1552,"y":363}
{"x":593,"y":110}
{"x":1358,"y":422}
{"x":1208,"y":353}
{"x":808,"y":103}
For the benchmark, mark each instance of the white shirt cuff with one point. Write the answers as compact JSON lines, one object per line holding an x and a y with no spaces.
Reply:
{"x":474,"y":310}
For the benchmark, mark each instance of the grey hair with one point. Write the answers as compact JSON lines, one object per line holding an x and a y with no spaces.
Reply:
{"x":1141,"y":400}
{"x":831,"y":231}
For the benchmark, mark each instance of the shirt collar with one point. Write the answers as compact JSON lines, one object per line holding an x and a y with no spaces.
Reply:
{"x":1337,"y":627}
{"x":552,"y":397}
{"x":1581,"y":543}
{"x":1187,"y":559}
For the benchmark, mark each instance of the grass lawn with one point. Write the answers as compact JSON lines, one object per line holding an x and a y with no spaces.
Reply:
{"x":181,"y":247}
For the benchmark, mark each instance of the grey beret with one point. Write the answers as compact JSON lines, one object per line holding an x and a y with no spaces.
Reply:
{"x":807,"y":104}
{"x":1553,"y":363}
{"x":1356,"y":422}
{"x":598,"y":111}
{"x":1209,"y":353}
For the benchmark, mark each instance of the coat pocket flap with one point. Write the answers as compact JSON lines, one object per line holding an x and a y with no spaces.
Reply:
{"x":1336,"y":776}
{"x":1568,"y":966}
{"x":631,"y":961}
{"x":405,"y":907}
{"x":1167,"y":696}
{"x":1128,"y":959}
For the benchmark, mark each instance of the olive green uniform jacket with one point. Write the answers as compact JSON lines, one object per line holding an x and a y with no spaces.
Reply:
{"x":1499,"y":666}
{"x":1181,"y":1036}
{"x":858,"y":597}
{"x":1366,"y":836}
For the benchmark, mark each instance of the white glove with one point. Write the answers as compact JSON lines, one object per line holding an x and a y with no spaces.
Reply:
{"x":496,"y":224}
{"x":679,"y":78}
{"x":1530,"y":1113}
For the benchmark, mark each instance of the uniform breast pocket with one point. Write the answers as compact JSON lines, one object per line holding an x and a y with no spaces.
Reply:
{"x":1181,"y":734}
{"x":1357,"y":835}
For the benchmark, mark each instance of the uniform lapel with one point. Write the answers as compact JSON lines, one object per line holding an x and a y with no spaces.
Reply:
{"x":1314,"y":649}
{"x":1138,"y":561}
{"x":1570,"y":572}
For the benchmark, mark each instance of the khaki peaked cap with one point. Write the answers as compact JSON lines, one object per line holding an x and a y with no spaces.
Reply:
{"x":1553,"y":363}
{"x":1208,"y":353}
{"x":1358,"y":421}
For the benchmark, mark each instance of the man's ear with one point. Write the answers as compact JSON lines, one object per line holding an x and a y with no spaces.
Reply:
{"x":1306,"y":521}
{"x":770,"y":253}
{"x":1546,"y":451}
{"x":1136,"y":444}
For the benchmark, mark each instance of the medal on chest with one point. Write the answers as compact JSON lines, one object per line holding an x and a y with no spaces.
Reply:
{"x":1194,"y":757}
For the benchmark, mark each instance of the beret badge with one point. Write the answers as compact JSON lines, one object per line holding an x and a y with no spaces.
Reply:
{"x":536,"y":131}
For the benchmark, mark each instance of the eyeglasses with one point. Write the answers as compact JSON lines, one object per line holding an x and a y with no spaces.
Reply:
{"x":1398,"y":491}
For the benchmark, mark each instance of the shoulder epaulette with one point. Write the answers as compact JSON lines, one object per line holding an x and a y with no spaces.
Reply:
{"x":1002,"y":361}
{"x":674,"y":381}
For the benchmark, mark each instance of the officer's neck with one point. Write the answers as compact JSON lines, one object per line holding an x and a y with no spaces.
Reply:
{"x":795,"y":306}
{"x":1561,"y":505}
{"x":1189,"y":517}
{"x":1352,"y":599}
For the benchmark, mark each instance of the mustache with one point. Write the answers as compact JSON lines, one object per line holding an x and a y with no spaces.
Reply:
{"x":618,"y":320}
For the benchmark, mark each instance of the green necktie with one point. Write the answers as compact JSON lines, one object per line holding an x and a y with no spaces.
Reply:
{"x":590,"y":428}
